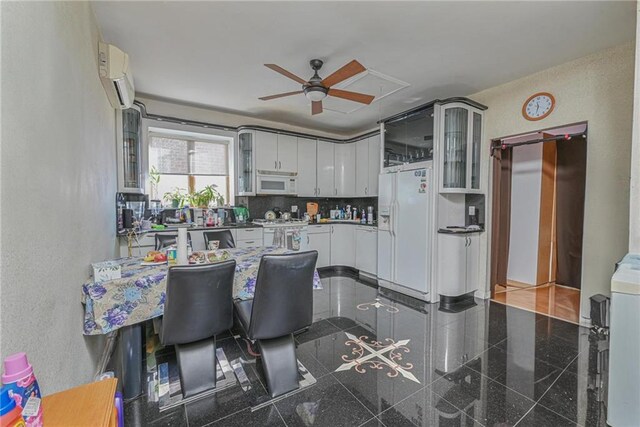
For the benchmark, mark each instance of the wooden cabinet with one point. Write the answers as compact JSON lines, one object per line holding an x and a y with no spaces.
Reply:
{"x":343,"y":238}
{"x":458,"y":263}
{"x":325,"y":169}
{"x":367,"y":249}
{"x":460,"y":139}
{"x":307,"y":164}
{"x":276,"y":153}
{"x":320,"y":240}
{"x":345,"y":170}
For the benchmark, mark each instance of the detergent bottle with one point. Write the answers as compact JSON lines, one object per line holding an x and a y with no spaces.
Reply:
{"x":19,"y":380}
{"x":10,"y":413}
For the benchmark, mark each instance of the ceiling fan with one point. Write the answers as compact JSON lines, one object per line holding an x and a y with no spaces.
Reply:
{"x":316,"y":89}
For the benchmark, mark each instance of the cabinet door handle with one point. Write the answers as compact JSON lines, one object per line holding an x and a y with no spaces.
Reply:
{"x":275,"y":164}
{"x":279,"y":165}
{"x":335,"y":191}
{"x":365,"y":190}
{"x":332,"y":229}
{"x":318,"y":193}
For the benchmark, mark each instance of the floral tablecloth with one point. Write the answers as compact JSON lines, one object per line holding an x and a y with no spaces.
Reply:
{"x":140,"y":294}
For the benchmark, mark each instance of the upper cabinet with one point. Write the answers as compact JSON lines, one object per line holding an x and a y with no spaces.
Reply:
{"x":345,"y":170}
{"x":325,"y":171}
{"x":367,"y":166}
{"x":307,"y":164}
{"x":129,"y":140}
{"x":409,"y":138}
{"x":246,"y":163}
{"x":461,"y":135}
{"x":276,"y":153}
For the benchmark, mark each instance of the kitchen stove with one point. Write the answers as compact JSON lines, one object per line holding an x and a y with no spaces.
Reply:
{"x":285,"y":233}
{"x":281,"y":222}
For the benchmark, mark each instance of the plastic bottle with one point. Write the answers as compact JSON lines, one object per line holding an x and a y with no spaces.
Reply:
{"x":120,"y":205}
{"x":19,"y":379}
{"x":10,"y":413}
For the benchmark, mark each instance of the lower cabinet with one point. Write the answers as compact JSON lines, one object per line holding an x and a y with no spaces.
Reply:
{"x":320,"y":240}
{"x":367,"y":249}
{"x":458,"y":263}
{"x":343,"y":242}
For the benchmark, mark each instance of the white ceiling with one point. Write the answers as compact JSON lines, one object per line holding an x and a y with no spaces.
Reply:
{"x":211,"y":53}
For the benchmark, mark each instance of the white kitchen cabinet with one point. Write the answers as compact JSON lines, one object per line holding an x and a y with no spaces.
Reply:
{"x":266,"y":151}
{"x":307,"y":163}
{"x":460,"y":136}
{"x":325,"y":169}
{"x":458,"y":263}
{"x":374,"y":165}
{"x":129,"y":150}
{"x":245,"y":163}
{"x":367,"y":249}
{"x":276,"y":153}
{"x":362,"y":167}
{"x":345,"y":170}
{"x":343,"y":245}
{"x":320,"y":240}
{"x":287,"y":154}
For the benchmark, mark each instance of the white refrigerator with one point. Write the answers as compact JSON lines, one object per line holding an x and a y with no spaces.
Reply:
{"x":404,"y":231}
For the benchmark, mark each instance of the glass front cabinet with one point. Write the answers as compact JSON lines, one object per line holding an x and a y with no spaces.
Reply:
{"x":246,"y":163}
{"x":460,"y":145}
{"x":129,"y":140}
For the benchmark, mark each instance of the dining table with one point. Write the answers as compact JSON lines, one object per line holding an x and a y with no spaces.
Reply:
{"x":120,"y":307}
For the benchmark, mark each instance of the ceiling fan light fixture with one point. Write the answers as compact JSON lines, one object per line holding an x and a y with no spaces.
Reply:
{"x":315,"y":93}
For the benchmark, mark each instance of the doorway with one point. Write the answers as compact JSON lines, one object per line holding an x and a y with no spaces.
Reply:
{"x":537,"y":221}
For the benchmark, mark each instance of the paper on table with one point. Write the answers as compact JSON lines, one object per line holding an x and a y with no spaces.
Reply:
{"x":182,"y":257}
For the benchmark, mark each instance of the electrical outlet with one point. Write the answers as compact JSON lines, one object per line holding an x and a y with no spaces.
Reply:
{"x":472,"y":210}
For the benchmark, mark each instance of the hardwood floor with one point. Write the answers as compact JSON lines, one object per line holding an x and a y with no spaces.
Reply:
{"x":553,"y":300}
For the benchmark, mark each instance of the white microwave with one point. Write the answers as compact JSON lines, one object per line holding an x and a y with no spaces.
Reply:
{"x":277,"y":184}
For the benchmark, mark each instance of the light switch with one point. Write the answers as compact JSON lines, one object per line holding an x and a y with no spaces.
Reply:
{"x":472,"y":210}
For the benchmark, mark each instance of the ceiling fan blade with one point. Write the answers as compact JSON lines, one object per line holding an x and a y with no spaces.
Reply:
{"x":280,"y":95}
{"x":279,"y":69}
{"x":349,"y":70}
{"x":316,"y":107}
{"x":352,"y":96}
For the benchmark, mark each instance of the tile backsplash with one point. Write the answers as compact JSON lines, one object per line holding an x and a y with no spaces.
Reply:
{"x":259,"y":205}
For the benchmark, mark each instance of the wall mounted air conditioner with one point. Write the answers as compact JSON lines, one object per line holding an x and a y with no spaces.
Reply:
{"x":116,"y":76}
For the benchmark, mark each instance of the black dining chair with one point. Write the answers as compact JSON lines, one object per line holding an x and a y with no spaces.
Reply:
{"x":198,"y":306}
{"x":164,"y":240}
{"x":225,"y":237}
{"x":282,"y":305}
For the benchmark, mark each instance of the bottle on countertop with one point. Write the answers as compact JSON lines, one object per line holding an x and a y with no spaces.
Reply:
{"x":120,"y":205}
{"x":363,"y":217}
{"x":370,"y":215}
{"x":21,"y":385}
{"x":10,"y":413}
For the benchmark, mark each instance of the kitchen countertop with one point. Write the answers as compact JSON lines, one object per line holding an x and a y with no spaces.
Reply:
{"x":459,"y":230}
{"x":334,"y":221}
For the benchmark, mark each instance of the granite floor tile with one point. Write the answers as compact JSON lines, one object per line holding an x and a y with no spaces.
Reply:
{"x":425,"y":408}
{"x":528,"y":376}
{"x":374,"y":422}
{"x":481,"y":398}
{"x":317,"y":330}
{"x":571,"y":397}
{"x":327,"y":403}
{"x":540,"y":416}
{"x":267,"y":417}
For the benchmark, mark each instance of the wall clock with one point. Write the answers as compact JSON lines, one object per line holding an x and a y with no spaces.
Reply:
{"x":538,"y":106}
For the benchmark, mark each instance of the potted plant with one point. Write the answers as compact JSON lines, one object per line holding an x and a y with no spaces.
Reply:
{"x":154,"y":179}
{"x":177,"y":197}
{"x":204,"y":197}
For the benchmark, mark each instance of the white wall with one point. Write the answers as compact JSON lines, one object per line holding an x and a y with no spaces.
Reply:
{"x":634,"y":208}
{"x":599,"y":89}
{"x":526,"y":184}
{"x":58,"y":180}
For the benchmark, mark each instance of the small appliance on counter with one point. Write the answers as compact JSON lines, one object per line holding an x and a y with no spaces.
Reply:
{"x":130,"y":207}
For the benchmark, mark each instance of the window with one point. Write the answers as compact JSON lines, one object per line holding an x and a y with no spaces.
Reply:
{"x":188,"y":164}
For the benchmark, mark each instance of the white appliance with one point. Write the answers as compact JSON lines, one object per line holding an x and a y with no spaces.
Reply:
{"x":277,"y":184}
{"x":404,"y":230}
{"x":116,"y":76}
